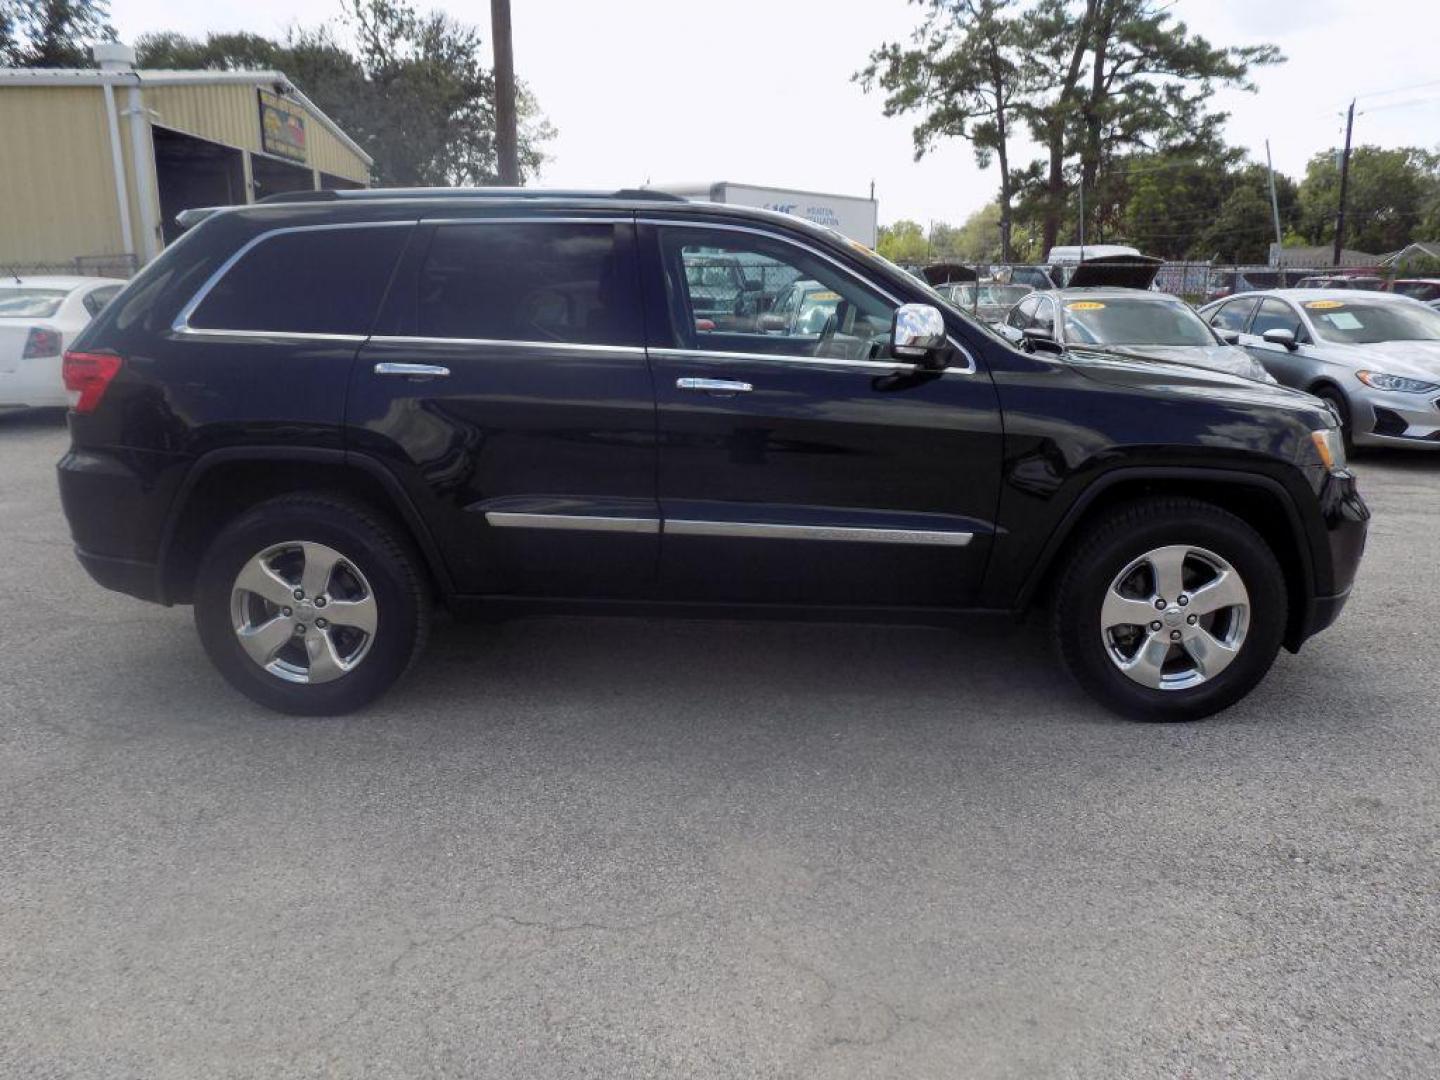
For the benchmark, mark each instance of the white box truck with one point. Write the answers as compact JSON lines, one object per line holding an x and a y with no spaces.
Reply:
{"x":850,"y":215}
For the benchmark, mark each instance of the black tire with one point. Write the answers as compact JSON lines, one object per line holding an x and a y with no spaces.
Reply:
{"x":1109,"y":545}
{"x":1337,"y":401}
{"x":375,"y":549}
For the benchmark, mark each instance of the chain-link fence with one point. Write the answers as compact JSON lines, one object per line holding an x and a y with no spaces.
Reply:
{"x":107,"y":266}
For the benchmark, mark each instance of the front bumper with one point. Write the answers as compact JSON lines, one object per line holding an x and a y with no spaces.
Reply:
{"x":1347,"y":523}
{"x":1386,"y":418}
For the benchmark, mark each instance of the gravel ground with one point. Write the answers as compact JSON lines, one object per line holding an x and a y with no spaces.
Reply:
{"x":573,"y":847}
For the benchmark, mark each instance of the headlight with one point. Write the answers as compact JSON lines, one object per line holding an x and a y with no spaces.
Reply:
{"x":1380,"y":381}
{"x":1330,"y":445}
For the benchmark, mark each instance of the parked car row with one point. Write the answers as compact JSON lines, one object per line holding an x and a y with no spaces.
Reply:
{"x":39,"y":317}
{"x":1374,"y":357}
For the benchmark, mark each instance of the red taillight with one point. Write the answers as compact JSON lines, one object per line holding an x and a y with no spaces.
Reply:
{"x":40,"y":343}
{"x":89,"y":374}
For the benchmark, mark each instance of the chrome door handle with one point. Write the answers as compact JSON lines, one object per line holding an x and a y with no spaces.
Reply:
{"x":414,"y":371}
{"x":714,"y":386}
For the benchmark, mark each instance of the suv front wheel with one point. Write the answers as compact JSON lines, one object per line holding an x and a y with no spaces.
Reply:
{"x":1170,"y":610}
{"x":311,"y":605}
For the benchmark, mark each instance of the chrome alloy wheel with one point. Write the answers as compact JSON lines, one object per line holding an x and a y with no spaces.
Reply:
{"x":1175,"y":617}
{"x":303,"y":612}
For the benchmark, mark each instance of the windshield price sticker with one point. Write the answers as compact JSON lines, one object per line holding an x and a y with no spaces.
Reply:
{"x":1324,"y":305}
{"x":1343,"y":320}
{"x":1085,"y":305}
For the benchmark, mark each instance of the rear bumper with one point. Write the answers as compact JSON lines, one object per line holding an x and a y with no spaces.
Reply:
{"x":34,"y":384}
{"x":116,"y":502}
{"x":128,"y":576}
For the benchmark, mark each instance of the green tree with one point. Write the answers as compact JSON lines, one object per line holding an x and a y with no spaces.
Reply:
{"x":1391,"y":195}
{"x":965,"y":73}
{"x":903,"y":242}
{"x":52,"y":33}
{"x":1244,"y":225}
{"x":1151,"y":81}
{"x":9,"y":34}
{"x":414,"y":93}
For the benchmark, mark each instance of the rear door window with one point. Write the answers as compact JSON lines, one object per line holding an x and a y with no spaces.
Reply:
{"x":96,"y":299}
{"x":564,"y":282}
{"x":1277,"y":315}
{"x":305,"y":281}
{"x":1232,"y":315}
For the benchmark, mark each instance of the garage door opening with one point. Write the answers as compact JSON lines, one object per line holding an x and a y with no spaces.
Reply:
{"x":272,"y":176}
{"x":339,"y":183}
{"x":193,"y":172}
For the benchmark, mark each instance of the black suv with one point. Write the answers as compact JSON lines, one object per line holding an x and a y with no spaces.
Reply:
{"x":313,"y":418}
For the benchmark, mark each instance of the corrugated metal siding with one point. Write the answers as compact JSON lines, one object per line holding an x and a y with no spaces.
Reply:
{"x":55,"y":173}
{"x":231,"y":115}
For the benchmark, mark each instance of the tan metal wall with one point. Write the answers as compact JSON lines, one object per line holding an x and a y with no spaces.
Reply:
{"x":57,"y":183}
{"x":231,"y":115}
{"x":57,"y":187}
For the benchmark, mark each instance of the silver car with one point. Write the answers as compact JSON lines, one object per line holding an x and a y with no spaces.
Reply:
{"x":1128,"y":322}
{"x":1374,"y":356}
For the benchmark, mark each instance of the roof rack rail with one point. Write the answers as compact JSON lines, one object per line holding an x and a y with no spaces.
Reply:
{"x":362,"y":194}
{"x":323,"y":195}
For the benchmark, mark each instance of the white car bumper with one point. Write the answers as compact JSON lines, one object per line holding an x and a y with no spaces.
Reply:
{"x":33,"y":384}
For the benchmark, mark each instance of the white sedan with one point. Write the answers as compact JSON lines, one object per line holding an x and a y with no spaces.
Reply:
{"x":39,"y":318}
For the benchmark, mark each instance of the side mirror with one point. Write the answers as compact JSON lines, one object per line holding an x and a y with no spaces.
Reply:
{"x":1282,"y":337}
{"x":771,"y":323}
{"x":918,"y":333}
{"x":1229,"y":337}
{"x":1037,"y":338}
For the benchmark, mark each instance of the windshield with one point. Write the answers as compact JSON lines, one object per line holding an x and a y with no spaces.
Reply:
{"x":990,"y":295}
{"x":1362,"y":322}
{"x":30,"y":303}
{"x":1419,"y":290}
{"x":1118,"y":321}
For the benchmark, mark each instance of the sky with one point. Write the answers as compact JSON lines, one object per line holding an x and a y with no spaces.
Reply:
{"x":760,"y":91}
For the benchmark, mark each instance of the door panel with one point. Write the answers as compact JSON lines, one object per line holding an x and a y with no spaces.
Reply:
{"x":831,"y":479}
{"x":534,"y":460}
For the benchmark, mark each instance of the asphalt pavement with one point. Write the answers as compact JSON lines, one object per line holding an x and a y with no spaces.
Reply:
{"x":626,"y":848}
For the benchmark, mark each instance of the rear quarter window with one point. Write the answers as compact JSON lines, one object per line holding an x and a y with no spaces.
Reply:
{"x":308,"y":281}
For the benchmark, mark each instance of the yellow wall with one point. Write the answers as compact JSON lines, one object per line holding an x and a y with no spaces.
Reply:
{"x":57,"y":186}
{"x":57,"y":183}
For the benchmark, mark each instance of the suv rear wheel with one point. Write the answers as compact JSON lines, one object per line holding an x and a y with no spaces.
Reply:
{"x":1170,"y":610}
{"x":311,"y":605}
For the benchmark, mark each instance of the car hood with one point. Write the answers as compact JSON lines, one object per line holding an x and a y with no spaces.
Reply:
{"x":1230,"y":359}
{"x":1188,"y":380}
{"x":1416,"y":359}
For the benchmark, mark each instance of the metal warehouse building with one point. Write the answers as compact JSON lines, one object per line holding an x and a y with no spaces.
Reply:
{"x":97,"y":163}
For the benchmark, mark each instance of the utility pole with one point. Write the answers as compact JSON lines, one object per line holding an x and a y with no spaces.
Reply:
{"x":507,"y":148}
{"x":1274,"y":204}
{"x":1082,"y":218}
{"x":1344,"y":183}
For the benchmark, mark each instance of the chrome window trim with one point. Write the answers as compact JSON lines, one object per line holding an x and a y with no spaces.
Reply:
{"x":579,"y":522}
{"x":181,"y":325}
{"x":551,"y":346}
{"x":641,"y":218}
{"x":271,"y":335}
{"x":854,"y":534}
{"x":716,"y":354}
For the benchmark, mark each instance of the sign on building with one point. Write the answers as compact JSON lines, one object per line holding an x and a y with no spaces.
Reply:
{"x":282,"y":127}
